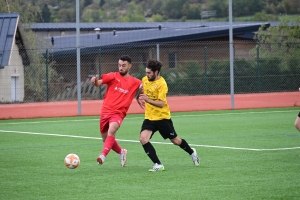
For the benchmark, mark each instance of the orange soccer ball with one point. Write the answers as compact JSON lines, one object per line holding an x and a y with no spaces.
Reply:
{"x":72,"y":161}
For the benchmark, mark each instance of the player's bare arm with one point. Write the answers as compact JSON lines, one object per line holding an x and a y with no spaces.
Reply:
{"x":139,"y":92}
{"x":95,"y":80}
{"x":157,"y":103}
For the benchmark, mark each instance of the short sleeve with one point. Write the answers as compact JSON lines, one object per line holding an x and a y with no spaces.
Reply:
{"x":163,"y":90}
{"x":106,"y":78}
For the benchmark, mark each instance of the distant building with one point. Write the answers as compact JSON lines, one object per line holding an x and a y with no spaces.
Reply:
{"x":164,"y":41}
{"x":11,"y":65}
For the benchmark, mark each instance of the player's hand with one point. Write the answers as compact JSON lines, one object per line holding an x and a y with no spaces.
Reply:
{"x":143,"y":97}
{"x":141,"y":103}
{"x":94,"y":79}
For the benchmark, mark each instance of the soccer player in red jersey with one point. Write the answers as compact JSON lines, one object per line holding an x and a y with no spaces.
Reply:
{"x":121,"y":89}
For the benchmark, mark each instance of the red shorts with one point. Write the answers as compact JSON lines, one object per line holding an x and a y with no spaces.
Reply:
{"x":106,"y":119}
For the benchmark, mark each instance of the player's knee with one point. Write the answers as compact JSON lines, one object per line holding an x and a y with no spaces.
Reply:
{"x":176,"y":141}
{"x":297,"y":122}
{"x":297,"y":125}
{"x":143,"y":140}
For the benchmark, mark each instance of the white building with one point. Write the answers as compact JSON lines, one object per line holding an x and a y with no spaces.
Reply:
{"x":11,"y":67}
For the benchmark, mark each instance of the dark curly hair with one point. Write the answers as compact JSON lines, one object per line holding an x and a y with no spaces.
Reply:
{"x":125,"y":58}
{"x":154,"y":65}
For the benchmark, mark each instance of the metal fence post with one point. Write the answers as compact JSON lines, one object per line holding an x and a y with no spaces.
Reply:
{"x":157,"y":52}
{"x":205,"y":69}
{"x":99,"y":69}
{"x":258,"y":68}
{"x":47,"y":81}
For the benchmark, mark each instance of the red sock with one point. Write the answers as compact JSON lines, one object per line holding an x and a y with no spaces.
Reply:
{"x":108,"y":144}
{"x":116,"y":147}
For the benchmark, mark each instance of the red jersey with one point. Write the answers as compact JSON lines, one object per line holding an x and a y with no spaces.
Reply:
{"x":119,"y":93}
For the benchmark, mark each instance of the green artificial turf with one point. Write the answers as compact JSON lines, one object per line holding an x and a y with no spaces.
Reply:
{"x":245,"y":154}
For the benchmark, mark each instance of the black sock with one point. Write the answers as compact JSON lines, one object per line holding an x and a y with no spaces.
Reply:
{"x":150,"y":151}
{"x":186,"y":147}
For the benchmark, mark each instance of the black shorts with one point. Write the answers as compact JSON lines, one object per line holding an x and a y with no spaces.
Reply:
{"x":164,"y":126}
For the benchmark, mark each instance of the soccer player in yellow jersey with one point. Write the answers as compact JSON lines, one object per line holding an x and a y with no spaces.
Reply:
{"x":153,"y":99}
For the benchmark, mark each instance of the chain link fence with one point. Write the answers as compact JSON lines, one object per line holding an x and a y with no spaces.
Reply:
{"x":190,"y":68}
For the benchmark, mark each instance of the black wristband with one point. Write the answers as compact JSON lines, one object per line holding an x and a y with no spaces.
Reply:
{"x":299,"y":114}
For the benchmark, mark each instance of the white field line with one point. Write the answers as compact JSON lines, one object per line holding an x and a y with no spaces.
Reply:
{"x":141,"y":117}
{"x":136,"y":141}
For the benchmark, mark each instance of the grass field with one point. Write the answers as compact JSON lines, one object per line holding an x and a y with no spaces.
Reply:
{"x":245,"y":154}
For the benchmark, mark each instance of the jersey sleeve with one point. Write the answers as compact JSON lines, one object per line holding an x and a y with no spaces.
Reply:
{"x":106,"y":78}
{"x":137,"y":84}
{"x":163,"y":90}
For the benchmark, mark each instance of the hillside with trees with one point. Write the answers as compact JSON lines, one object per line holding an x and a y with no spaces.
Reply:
{"x":155,"y":10}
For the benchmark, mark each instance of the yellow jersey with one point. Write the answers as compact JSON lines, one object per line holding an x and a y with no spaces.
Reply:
{"x":156,"y":90}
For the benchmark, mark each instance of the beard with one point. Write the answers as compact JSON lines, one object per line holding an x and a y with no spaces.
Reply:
{"x":152,"y":78}
{"x":123,"y":73}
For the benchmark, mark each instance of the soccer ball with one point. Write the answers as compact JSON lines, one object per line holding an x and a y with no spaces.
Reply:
{"x":72,"y":161}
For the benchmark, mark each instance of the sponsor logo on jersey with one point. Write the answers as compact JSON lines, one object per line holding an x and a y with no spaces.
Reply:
{"x":121,"y":90}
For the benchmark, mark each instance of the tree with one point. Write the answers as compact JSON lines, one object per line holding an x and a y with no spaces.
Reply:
{"x":173,"y":8}
{"x":66,"y":15}
{"x":28,"y":12}
{"x":156,"y":7}
{"x":156,"y":18}
{"x":283,"y":39}
{"x":134,"y":13}
{"x":246,"y":7}
{"x":262,"y":16}
{"x":191,"y":11}
{"x":279,"y":52}
{"x":101,"y":3}
{"x":221,"y":6}
{"x":87,"y":3}
{"x":35,"y":67}
{"x":46,"y":14}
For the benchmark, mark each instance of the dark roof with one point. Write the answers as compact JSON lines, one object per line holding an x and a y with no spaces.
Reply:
{"x":109,"y":26}
{"x":90,"y":43}
{"x":8,"y":26}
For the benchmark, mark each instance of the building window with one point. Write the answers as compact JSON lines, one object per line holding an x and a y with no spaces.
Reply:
{"x":172,"y":60}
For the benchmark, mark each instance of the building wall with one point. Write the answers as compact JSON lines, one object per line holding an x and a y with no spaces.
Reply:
{"x":12,"y":79}
{"x":173,"y":55}
{"x":201,"y":51}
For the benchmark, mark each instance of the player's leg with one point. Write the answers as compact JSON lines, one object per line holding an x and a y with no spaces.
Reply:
{"x":116,"y":119}
{"x":297,"y":122}
{"x":148,"y":147}
{"x":115,"y":123}
{"x":167,"y":130}
{"x":146,"y":133}
{"x":108,"y":129}
{"x":110,"y":139}
{"x":111,"y":143}
{"x":182,"y":143}
{"x":104,"y":125}
{"x":186,"y":147}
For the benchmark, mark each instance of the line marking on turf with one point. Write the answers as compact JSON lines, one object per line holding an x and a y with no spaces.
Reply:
{"x":142,"y":117}
{"x":136,"y":141}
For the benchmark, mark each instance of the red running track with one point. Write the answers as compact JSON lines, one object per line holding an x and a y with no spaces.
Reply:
{"x":177,"y":104}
